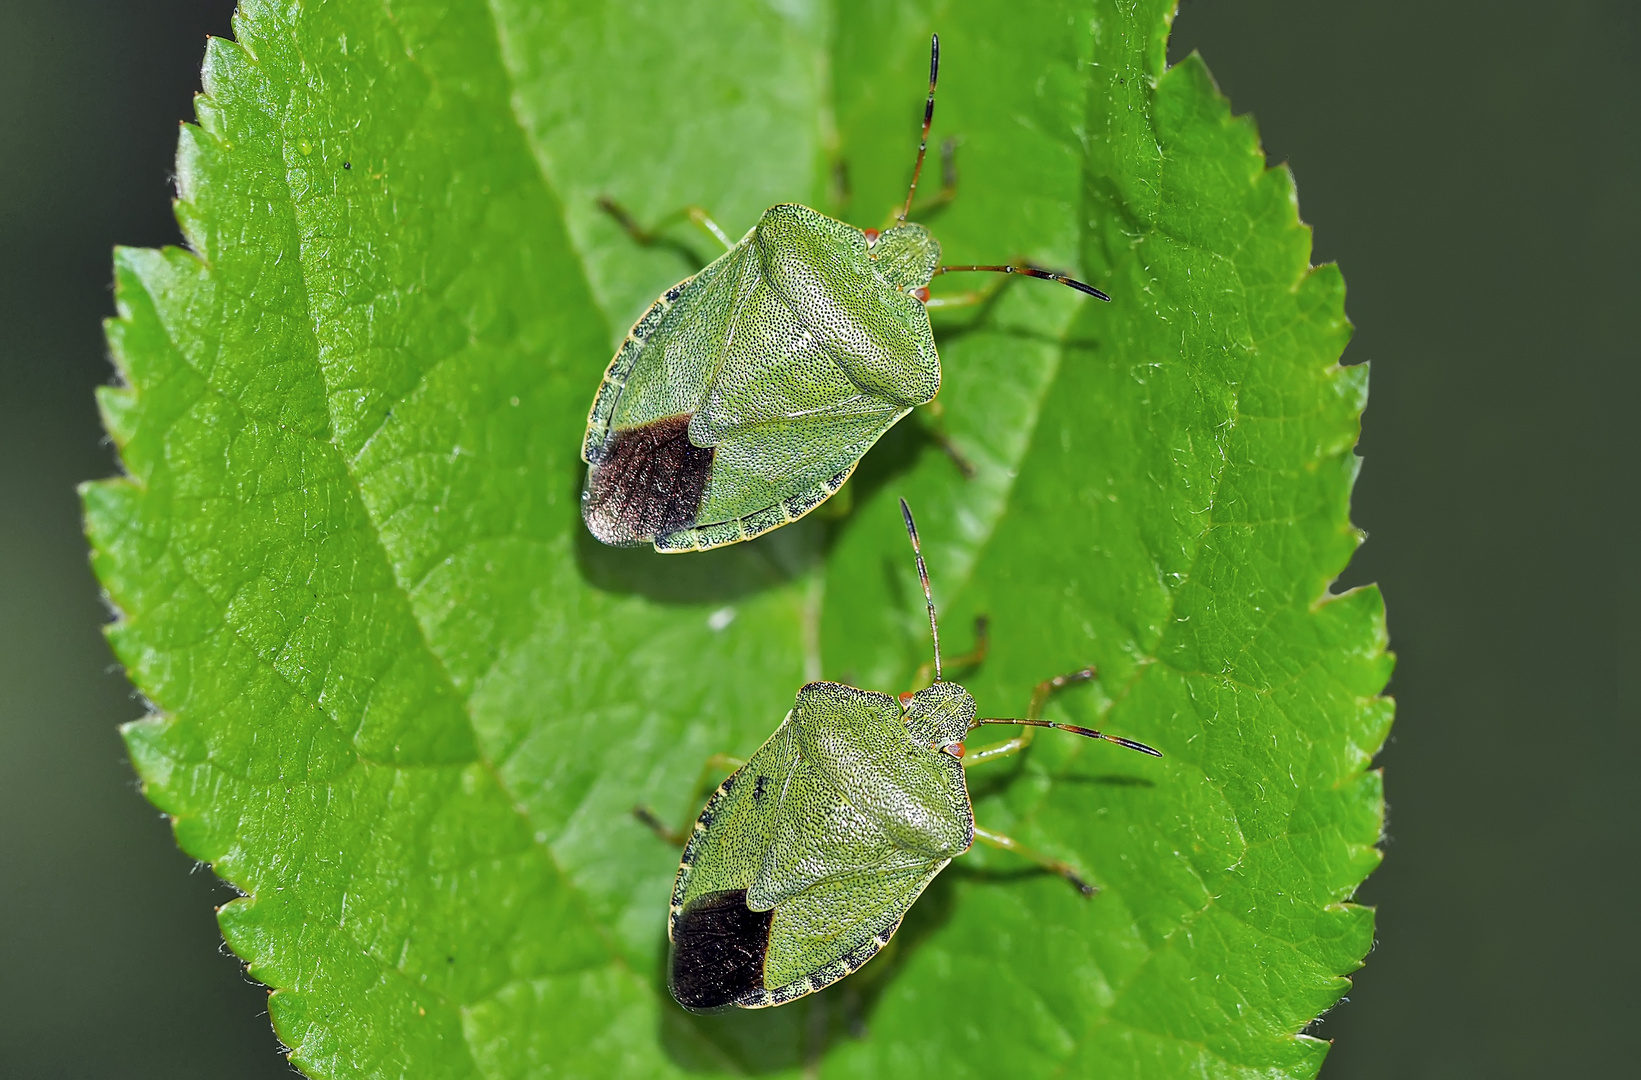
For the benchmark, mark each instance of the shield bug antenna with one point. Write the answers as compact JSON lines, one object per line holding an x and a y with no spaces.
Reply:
{"x":922,"y":570}
{"x":917,"y":172}
{"x":928,"y":118}
{"x":1030,"y":271}
{"x":1040,"y":695}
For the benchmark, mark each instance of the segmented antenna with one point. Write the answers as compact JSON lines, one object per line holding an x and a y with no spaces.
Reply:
{"x":1030,"y":271}
{"x":928,"y":118}
{"x":923,"y":576}
{"x":1040,"y":695}
{"x":1090,"y":732}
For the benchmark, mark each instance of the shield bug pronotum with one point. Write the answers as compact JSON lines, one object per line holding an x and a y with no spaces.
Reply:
{"x":745,"y":396}
{"x":806,"y":858}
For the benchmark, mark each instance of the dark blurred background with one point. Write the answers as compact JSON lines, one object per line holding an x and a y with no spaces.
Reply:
{"x":1473,"y":166}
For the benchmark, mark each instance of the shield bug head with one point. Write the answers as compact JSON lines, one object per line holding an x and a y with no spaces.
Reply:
{"x":941,"y":715}
{"x":944,"y":713}
{"x":747,"y":394}
{"x":907,"y":256}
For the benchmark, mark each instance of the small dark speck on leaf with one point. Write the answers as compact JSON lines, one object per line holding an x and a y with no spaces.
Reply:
{"x":347,"y":164}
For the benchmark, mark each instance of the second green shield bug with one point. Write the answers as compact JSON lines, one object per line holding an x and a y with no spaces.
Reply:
{"x":806,"y":858}
{"x":745,"y":396}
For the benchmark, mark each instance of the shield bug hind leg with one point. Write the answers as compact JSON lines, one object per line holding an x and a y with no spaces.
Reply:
{"x":648,"y":817}
{"x":1055,"y":866}
{"x":677,"y":837}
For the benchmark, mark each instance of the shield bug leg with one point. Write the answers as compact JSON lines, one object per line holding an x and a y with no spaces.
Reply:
{"x":1034,"y":711}
{"x":838,"y":187}
{"x":1032,"y":720}
{"x":675,"y":837}
{"x":968,"y":298}
{"x":1008,"y":843}
{"x":655,"y":233}
{"x":713,"y":765}
{"x":937,"y":431}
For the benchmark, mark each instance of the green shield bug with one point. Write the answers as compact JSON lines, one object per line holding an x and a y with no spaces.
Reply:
{"x":806,"y":858}
{"x":745,"y":396}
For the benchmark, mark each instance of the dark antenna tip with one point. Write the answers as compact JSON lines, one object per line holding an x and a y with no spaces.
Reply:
{"x":1029,"y":271}
{"x":1132,"y":745}
{"x":1084,"y":287}
{"x":911,"y":526}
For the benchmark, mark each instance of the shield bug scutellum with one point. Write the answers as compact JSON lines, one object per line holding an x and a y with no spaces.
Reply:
{"x":805,"y":859}
{"x":746,"y":395}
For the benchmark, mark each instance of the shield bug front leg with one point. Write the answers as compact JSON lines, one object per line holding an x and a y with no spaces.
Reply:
{"x":714,"y":765}
{"x":1034,"y":711}
{"x":966,"y":299}
{"x":949,"y":191}
{"x":1032,"y":721}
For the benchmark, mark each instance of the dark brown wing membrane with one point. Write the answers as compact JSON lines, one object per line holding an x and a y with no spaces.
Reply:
{"x":645,"y":482}
{"x":718,"y":951}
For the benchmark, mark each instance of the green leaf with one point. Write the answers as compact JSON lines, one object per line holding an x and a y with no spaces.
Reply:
{"x":405,"y":703}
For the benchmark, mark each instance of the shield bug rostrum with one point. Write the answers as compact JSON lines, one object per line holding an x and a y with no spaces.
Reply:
{"x":805,"y":859}
{"x":746,"y":395}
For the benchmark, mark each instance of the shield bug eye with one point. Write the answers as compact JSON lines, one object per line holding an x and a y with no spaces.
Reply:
{"x":954,"y":749}
{"x":921,"y":293}
{"x":906,"y":697}
{"x":871,"y":237}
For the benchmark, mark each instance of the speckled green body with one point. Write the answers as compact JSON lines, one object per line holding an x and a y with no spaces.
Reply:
{"x":787,"y":358}
{"x":835,"y":826}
